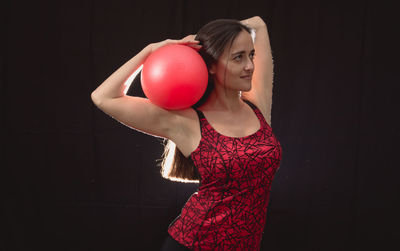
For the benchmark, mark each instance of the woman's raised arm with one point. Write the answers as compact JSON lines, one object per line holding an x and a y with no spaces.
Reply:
{"x":261,"y":91}
{"x":136,"y":112}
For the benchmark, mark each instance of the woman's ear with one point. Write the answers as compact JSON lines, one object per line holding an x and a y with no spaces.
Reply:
{"x":212,"y":69}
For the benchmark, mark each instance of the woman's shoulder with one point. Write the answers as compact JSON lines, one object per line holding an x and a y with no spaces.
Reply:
{"x":186,"y":117}
{"x":260,"y":106}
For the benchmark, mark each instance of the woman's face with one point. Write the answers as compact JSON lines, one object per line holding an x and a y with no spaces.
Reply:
{"x":234,"y":68}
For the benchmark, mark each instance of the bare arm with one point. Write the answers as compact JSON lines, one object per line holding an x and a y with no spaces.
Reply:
{"x":261,"y":91}
{"x":136,"y":112}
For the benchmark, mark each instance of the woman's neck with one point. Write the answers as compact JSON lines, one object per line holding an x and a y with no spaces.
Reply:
{"x":223,"y":100}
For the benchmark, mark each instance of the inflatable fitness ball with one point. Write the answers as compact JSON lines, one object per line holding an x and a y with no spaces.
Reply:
{"x":174,"y":77}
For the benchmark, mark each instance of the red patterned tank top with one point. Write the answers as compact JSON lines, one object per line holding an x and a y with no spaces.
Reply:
{"x":228,"y":212}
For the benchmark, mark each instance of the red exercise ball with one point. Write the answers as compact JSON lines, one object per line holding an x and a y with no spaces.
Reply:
{"x":174,"y":77}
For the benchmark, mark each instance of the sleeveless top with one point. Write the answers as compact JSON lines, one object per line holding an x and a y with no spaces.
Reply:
{"x":228,"y":212}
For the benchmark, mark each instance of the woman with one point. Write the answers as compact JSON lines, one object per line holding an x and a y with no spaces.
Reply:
{"x":225,"y":140}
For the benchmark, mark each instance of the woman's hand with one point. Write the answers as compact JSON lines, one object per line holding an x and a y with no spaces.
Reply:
{"x":188,"y":40}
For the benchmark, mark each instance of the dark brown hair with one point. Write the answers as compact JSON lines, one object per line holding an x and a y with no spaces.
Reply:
{"x":214,"y":37}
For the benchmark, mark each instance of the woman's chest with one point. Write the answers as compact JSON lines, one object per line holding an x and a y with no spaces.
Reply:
{"x":234,"y":126}
{"x":220,"y":157}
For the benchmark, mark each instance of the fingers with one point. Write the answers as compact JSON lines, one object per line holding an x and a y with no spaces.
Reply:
{"x":188,"y":41}
{"x":193,"y":43}
{"x":196,"y":47}
{"x":189,"y":37}
{"x":185,"y":41}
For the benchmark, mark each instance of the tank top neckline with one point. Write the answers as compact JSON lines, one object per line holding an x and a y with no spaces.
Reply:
{"x":253,"y":108}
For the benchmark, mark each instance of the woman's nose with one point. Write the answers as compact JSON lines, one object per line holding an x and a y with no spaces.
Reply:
{"x":249,"y":65}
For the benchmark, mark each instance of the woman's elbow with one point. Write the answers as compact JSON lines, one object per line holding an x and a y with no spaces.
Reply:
{"x":96,"y":100}
{"x":259,"y":22}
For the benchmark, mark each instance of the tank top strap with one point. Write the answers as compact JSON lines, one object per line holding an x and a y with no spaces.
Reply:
{"x":257,"y":112}
{"x":200,"y":114}
{"x":250,"y":104}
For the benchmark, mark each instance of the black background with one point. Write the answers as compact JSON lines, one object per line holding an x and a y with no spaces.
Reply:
{"x":75,"y":179}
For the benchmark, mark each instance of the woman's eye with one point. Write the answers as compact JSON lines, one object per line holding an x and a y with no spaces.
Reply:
{"x":238,"y":57}
{"x":252,"y":55}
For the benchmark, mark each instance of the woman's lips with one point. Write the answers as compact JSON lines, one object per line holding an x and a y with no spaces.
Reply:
{"x":246,"y":76}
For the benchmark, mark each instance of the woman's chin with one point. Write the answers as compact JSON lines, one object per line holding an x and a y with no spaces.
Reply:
{"x":246,"y":88}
